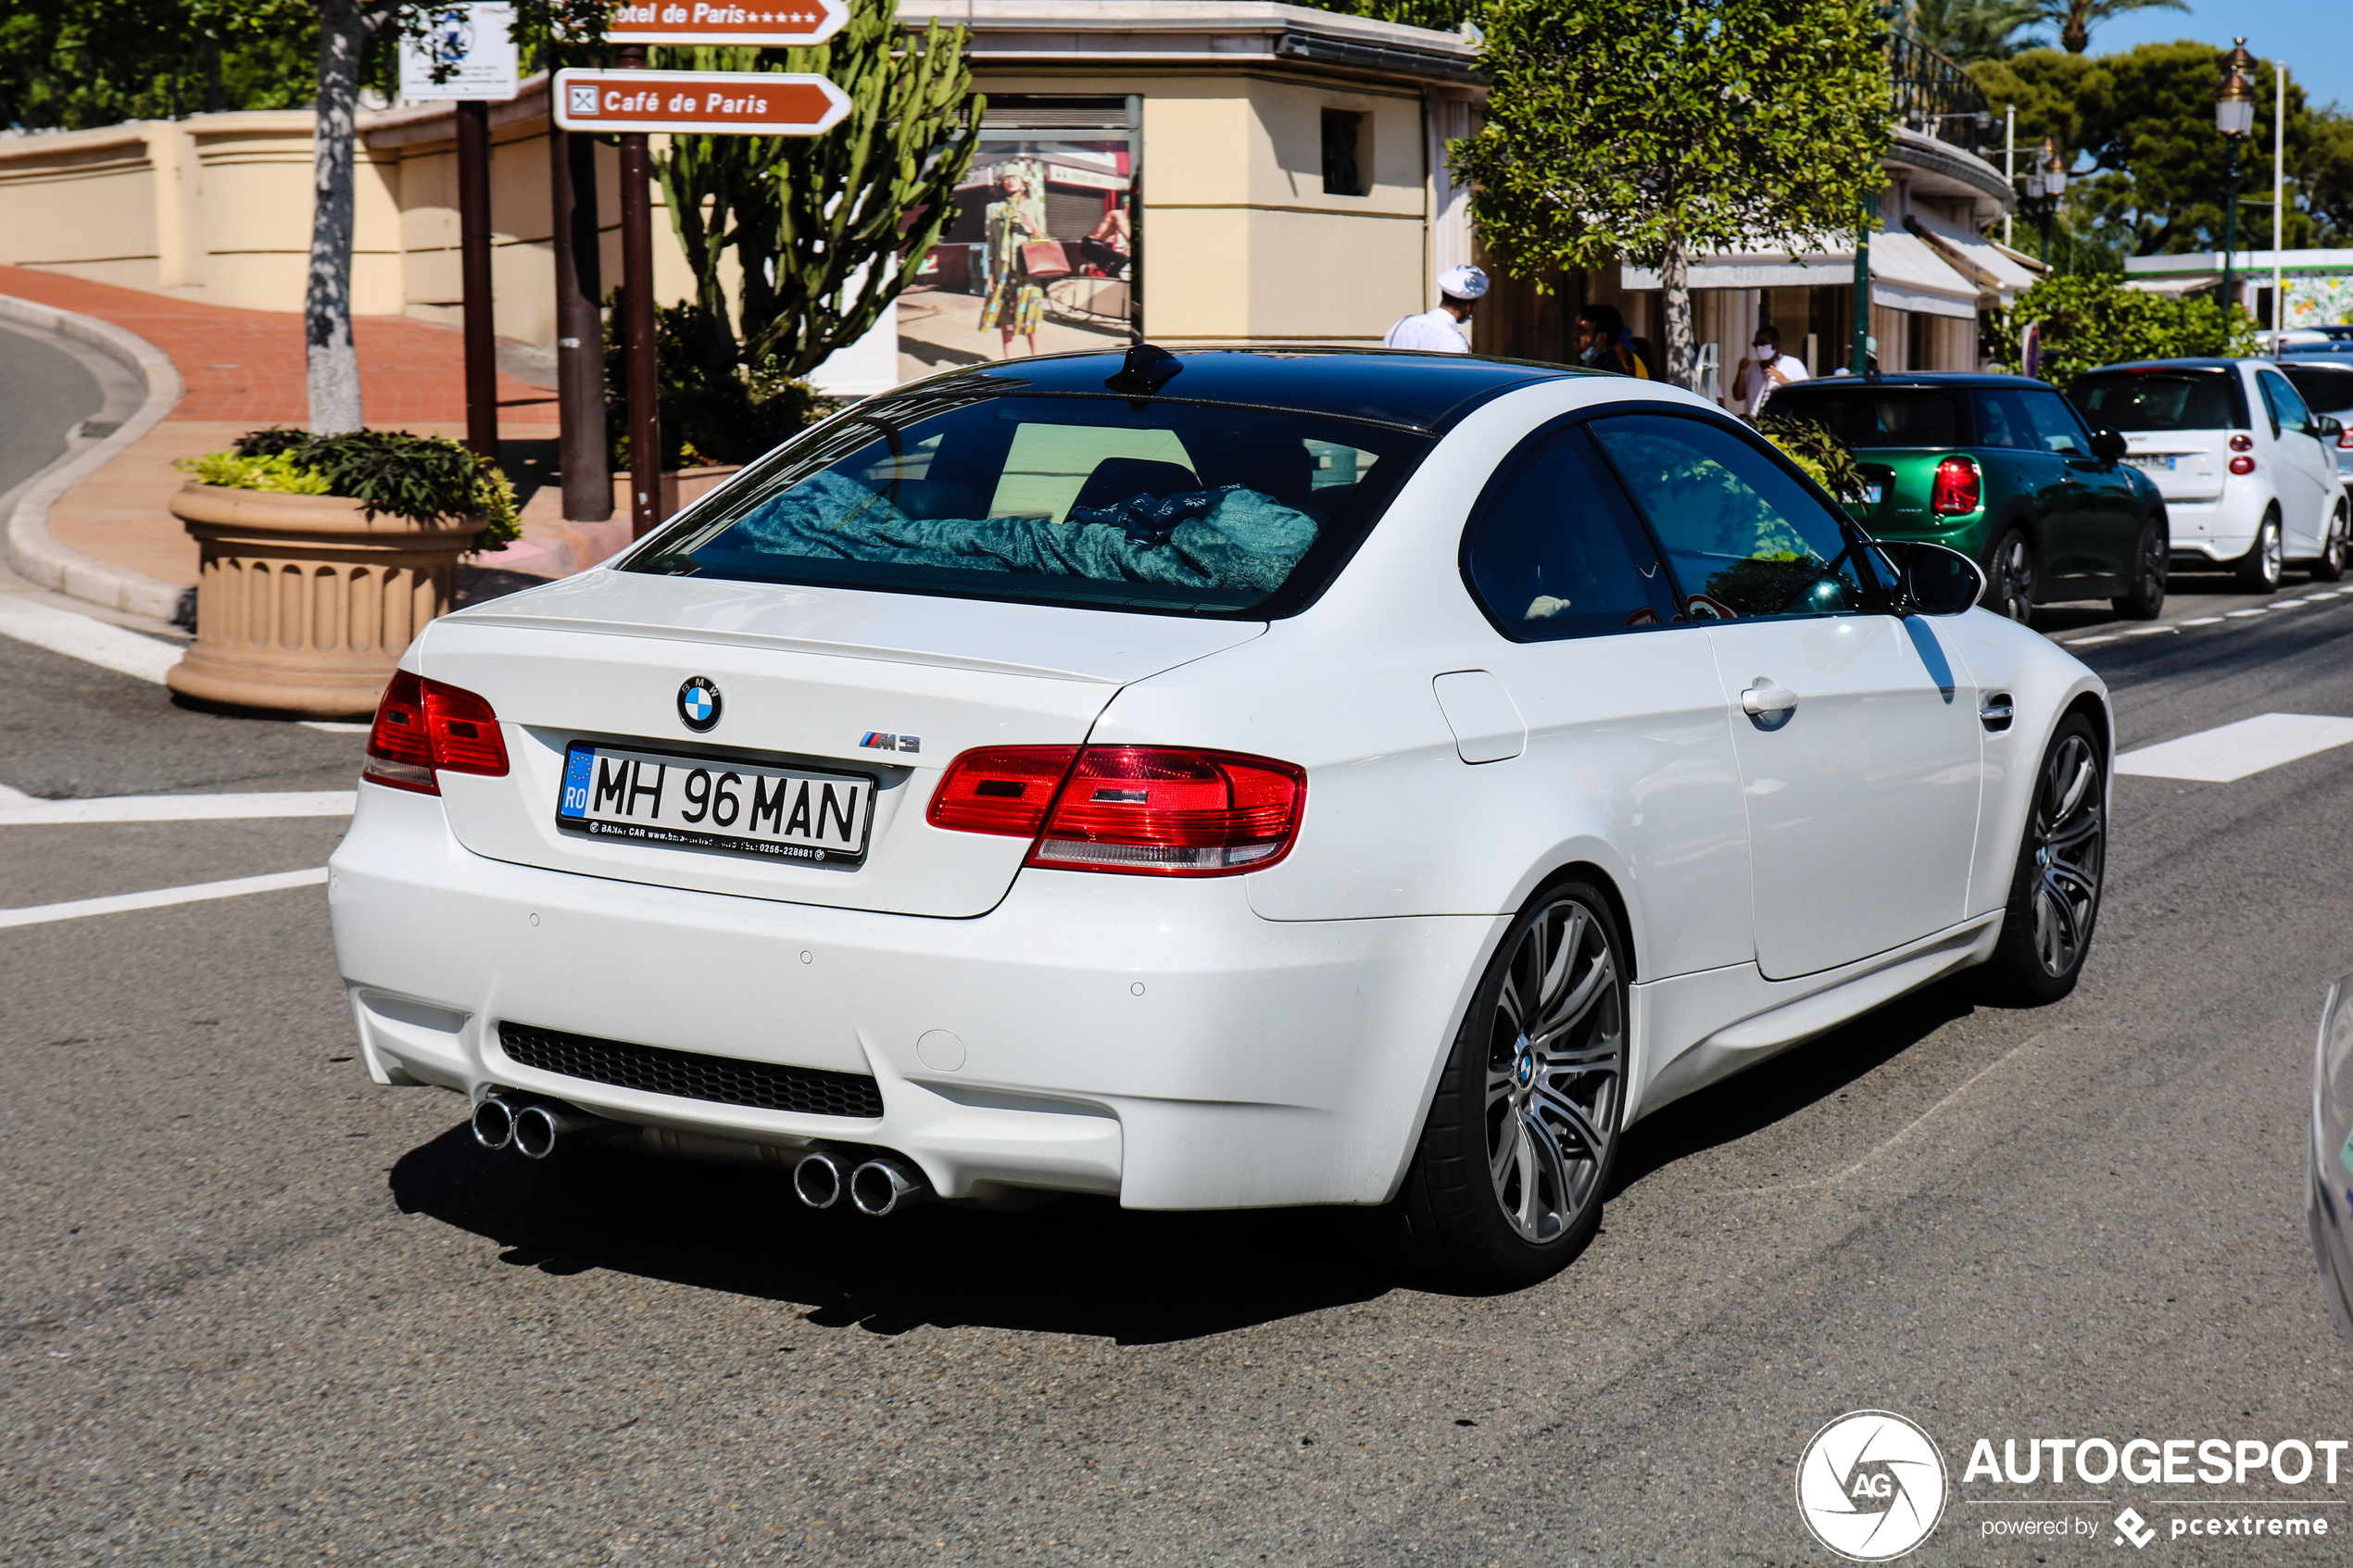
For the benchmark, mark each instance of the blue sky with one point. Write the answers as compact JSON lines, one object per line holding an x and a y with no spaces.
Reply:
{"x":2310,"y":35}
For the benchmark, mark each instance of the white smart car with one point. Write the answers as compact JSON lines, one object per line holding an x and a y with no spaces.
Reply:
{"x":2247,"y":471}
{"x":1219,"y":779}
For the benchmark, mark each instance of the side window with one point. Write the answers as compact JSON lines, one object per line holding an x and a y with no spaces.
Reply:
{"x":2288,"y":403}
{"x":2000,"y":421}
{"x":2271,"y":402}
{"x":1743,"y":537}
{"x":2056,"y":427}
{"x":1556,"y":552}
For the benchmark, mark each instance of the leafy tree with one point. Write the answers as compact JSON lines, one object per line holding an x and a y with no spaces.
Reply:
{"x":1665,"y":130}
{"x":2142,"y":119}
{"x":2076,"y":18}
{"x":822,"y":231}
{"x":1974,"y":30}
{"x":99,"y":62}
{"x":2089,"y":322}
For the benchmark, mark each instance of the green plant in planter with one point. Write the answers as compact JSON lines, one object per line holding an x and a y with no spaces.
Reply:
{"x":422,"y":478}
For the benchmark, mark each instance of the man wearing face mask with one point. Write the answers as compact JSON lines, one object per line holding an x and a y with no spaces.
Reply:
{"x":1769,"y":367}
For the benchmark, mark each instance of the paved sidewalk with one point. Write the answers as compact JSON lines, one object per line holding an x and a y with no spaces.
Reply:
{"x":246,"y":370}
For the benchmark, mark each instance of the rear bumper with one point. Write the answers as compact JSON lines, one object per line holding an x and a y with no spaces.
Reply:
{"x":1132,"y":1034}
{"x":2221,"y":530}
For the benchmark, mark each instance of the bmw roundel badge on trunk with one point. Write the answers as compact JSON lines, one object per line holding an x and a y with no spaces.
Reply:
{"x":699,"y":704}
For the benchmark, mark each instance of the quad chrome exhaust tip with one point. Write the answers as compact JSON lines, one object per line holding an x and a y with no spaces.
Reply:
{"x":539,"y":1126}
{"x":494,"y":1121}
{"x":885,"y":1186}
{"x":820,"y":1179}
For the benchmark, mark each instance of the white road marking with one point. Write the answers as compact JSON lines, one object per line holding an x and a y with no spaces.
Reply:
{"x":79,"y":636}
{"x":12,"y":796}
{"x":2088,"y":642}
{"x":2150,"y":631}
{"x":180,"y":808}
{"x":42,"y":913}
{"x":2286,"y":604}
{"x":2203,"y":621}
{"x":2235,"y":751}
{"x":336,"y":727}
{"x":2240,"y":614}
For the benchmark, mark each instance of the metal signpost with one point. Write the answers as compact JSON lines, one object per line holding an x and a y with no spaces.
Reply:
{"x":634,"y":102}
{"x":473,"y":47}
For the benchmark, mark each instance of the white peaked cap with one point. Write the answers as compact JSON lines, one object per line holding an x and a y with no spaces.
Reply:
{"x":1462,"y":282}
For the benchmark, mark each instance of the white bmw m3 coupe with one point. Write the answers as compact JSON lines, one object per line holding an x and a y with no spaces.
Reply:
{"x":1215,"y":779}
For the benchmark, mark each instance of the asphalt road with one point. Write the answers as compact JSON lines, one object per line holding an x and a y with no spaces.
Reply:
{"x":46,"y":387}
{"x":257,"y":1310}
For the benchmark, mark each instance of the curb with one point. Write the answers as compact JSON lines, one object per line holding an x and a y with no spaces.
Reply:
{"x":31,"y":550}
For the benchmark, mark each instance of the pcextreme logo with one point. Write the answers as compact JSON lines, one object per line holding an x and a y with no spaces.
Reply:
{"x":1870,"y":1486}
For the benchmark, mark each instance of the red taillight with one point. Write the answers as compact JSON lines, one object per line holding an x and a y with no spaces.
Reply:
{"x":423,"y":725}
{"x":1956,"y":487}
{"x":1000,"y":789}
{"x":1145,"y":810}
{"x":2345,"y":440}
{"x":2241,"y":464}
{"x":2242,"y":443}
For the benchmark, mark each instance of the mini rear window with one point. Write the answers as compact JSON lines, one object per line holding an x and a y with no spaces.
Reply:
{"x":1106,"y":503}
{"x":1864,"y":414}
{"x":2160,"y":401}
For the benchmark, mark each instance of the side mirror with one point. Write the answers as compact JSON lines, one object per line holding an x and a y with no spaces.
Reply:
{"x":2328,"y":430}
{"x":1928,"y":579}
{"x":2108,"y":445}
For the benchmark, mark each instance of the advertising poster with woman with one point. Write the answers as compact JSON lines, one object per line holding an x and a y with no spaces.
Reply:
{"x":1041,"y":258}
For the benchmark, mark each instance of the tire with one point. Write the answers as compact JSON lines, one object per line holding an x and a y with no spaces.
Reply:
{"x":1507,"y":1186}
{"x":2330,"y":566}
{"x":2152,"y":559}
{"x":2055,"y":891}
{"x":2259,"y":569}
{"x":2010,"y":576}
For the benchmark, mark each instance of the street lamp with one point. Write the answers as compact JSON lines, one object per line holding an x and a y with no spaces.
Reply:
{"x":2046,"y":182}
{"x":2234,"y":118}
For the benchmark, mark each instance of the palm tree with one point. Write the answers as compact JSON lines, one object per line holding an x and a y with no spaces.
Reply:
{"x":1965,"y":31}
{"x":2076,"y":18}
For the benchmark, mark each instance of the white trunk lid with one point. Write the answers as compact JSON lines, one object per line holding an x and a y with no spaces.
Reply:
{"x":2188,"y":465}
{"x":805,"y":675}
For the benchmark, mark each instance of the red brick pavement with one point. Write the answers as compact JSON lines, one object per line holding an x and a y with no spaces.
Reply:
{"x":248,"y":365}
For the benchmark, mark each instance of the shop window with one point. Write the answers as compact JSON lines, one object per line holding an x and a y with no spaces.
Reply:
{"x":1346,"y":152}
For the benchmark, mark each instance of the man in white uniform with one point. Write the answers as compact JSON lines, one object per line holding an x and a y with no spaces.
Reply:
{"x":1440,"y":331}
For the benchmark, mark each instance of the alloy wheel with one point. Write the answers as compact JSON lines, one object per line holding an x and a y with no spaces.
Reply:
{"x":2274,"y":556}
{"x":2332,"y":552}
{"x":1555,"y":1069}
{"x":2070,"y":839}
{"x":2156,"y":557}
{"x":2013,"y":586}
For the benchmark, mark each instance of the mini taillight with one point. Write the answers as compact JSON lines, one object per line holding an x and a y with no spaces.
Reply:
{"x":1000,"y":789}
{"x":423,"y":725}
{"x":1146,"y":810}
{"x":1956,"y":487}
{"x":2241,"y":464}
{"x":2345,"y":440}
{"x":2242,"y":443}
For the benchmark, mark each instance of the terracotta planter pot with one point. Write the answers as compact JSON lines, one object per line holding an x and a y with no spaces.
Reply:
{"x":303,"y":604}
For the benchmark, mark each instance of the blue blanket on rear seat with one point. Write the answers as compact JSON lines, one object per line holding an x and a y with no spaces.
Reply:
{"x":1230,"y":538}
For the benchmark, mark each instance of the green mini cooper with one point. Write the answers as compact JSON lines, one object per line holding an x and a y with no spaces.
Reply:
{"x":2005,"y":470}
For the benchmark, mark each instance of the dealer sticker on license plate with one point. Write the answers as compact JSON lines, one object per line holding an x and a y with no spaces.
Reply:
{"x":1872,"y":493}
{"x":749,"y":807}
{"x":2152,"y":460}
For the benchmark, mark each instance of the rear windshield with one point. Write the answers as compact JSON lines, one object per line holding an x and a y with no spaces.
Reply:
{"x":2139,"y":400}
{"x":2328,"y":388}
{"x":1864,"y":414}
{"x":1106,"y":503}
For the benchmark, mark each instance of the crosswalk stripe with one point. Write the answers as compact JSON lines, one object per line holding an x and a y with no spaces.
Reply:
{"x":2236,"y":751}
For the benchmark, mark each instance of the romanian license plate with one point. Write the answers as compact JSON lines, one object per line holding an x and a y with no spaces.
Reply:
{"x":747,"y":808}
{"x":2152,"y":460}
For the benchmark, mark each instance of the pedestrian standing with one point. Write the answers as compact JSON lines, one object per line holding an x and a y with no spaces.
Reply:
{"x":1440,"y":331}
{"x":1769,"y":368}
{"x":1602,"y":344}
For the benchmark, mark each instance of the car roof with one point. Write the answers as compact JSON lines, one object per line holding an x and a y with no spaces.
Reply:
{"x":1908,"y":378}
{"x":1424,"y":392}
{"x":2190,"y":364}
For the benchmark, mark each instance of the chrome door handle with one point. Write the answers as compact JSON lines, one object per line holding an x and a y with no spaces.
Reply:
{"x":1997,"y":712}
{"x":1766,"y":697}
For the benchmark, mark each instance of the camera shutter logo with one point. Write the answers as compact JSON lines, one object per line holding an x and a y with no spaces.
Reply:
{"x":1872,"y":1485}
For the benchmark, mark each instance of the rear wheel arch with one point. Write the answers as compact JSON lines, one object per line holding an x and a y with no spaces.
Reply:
{"x":1606,"y":884}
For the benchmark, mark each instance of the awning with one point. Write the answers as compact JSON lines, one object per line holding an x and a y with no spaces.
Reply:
{"x":1974,"y":256}
{"x":1906,"y":275}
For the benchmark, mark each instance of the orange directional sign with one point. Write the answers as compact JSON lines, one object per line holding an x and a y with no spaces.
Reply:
{"x":789,"y":24}
{"x":727,"y":103}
